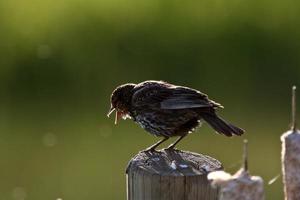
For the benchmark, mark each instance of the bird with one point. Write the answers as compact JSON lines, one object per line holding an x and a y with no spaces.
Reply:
{"x":166,"y":110}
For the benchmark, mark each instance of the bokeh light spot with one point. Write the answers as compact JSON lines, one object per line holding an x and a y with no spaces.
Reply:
{"x":49,"y":139}
{"x":19,"y":193}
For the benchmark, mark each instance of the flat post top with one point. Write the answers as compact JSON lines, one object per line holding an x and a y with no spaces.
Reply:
{"x":173,"y":163}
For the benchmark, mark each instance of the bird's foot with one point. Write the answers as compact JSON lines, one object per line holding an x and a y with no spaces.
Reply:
{"x":170,"y":148}
{"x":149,"y":150}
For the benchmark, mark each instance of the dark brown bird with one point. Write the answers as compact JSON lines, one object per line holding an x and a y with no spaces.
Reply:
{"x":167,"y":110}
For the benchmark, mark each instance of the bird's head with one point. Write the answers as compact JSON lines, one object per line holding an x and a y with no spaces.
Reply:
{"x":120,"y":101}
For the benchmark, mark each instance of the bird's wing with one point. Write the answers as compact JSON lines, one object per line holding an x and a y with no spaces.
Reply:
{"x":150,"y":94}
{"x":183,"y":97}
{"x":167,"y":96}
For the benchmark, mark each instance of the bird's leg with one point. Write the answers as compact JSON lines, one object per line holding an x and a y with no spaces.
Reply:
{"x":176,"y":142}
{"x":152,"y":147}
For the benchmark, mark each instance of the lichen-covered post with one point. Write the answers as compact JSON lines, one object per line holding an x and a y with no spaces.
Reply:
{"x":240,"y":186}
{"x":290,"y":156}
{"x":171,"y":174}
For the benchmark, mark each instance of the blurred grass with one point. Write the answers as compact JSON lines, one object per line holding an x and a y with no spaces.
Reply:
{"x":90,"y":154}
{"x":60,"y":60}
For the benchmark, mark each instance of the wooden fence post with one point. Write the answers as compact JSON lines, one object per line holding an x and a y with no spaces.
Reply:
{"x":290,"y":157}
{"x":171,"y":175}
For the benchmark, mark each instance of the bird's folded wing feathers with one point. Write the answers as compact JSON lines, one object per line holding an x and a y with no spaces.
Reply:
{"x":150,"y":95}
{"x":182,"y":103}
{"x":182,"y":98}
{"x":166,"y":97}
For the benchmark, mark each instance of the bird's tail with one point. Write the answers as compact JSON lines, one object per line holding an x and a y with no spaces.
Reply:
{"x":220,"y":125}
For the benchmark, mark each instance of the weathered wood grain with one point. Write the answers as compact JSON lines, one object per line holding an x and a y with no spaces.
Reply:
{"x":171,"y":175}
{"x":290,"y":157}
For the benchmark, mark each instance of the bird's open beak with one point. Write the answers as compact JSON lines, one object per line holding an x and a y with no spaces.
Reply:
{"x":111,"y":110}
{"x":117,"y":116}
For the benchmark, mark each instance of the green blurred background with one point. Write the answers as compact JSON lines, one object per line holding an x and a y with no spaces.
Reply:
{"x":60,"y":60}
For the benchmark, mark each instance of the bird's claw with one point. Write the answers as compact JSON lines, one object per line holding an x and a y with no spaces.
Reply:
{"x":170,"y":147}
{"x":149,"y":150}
